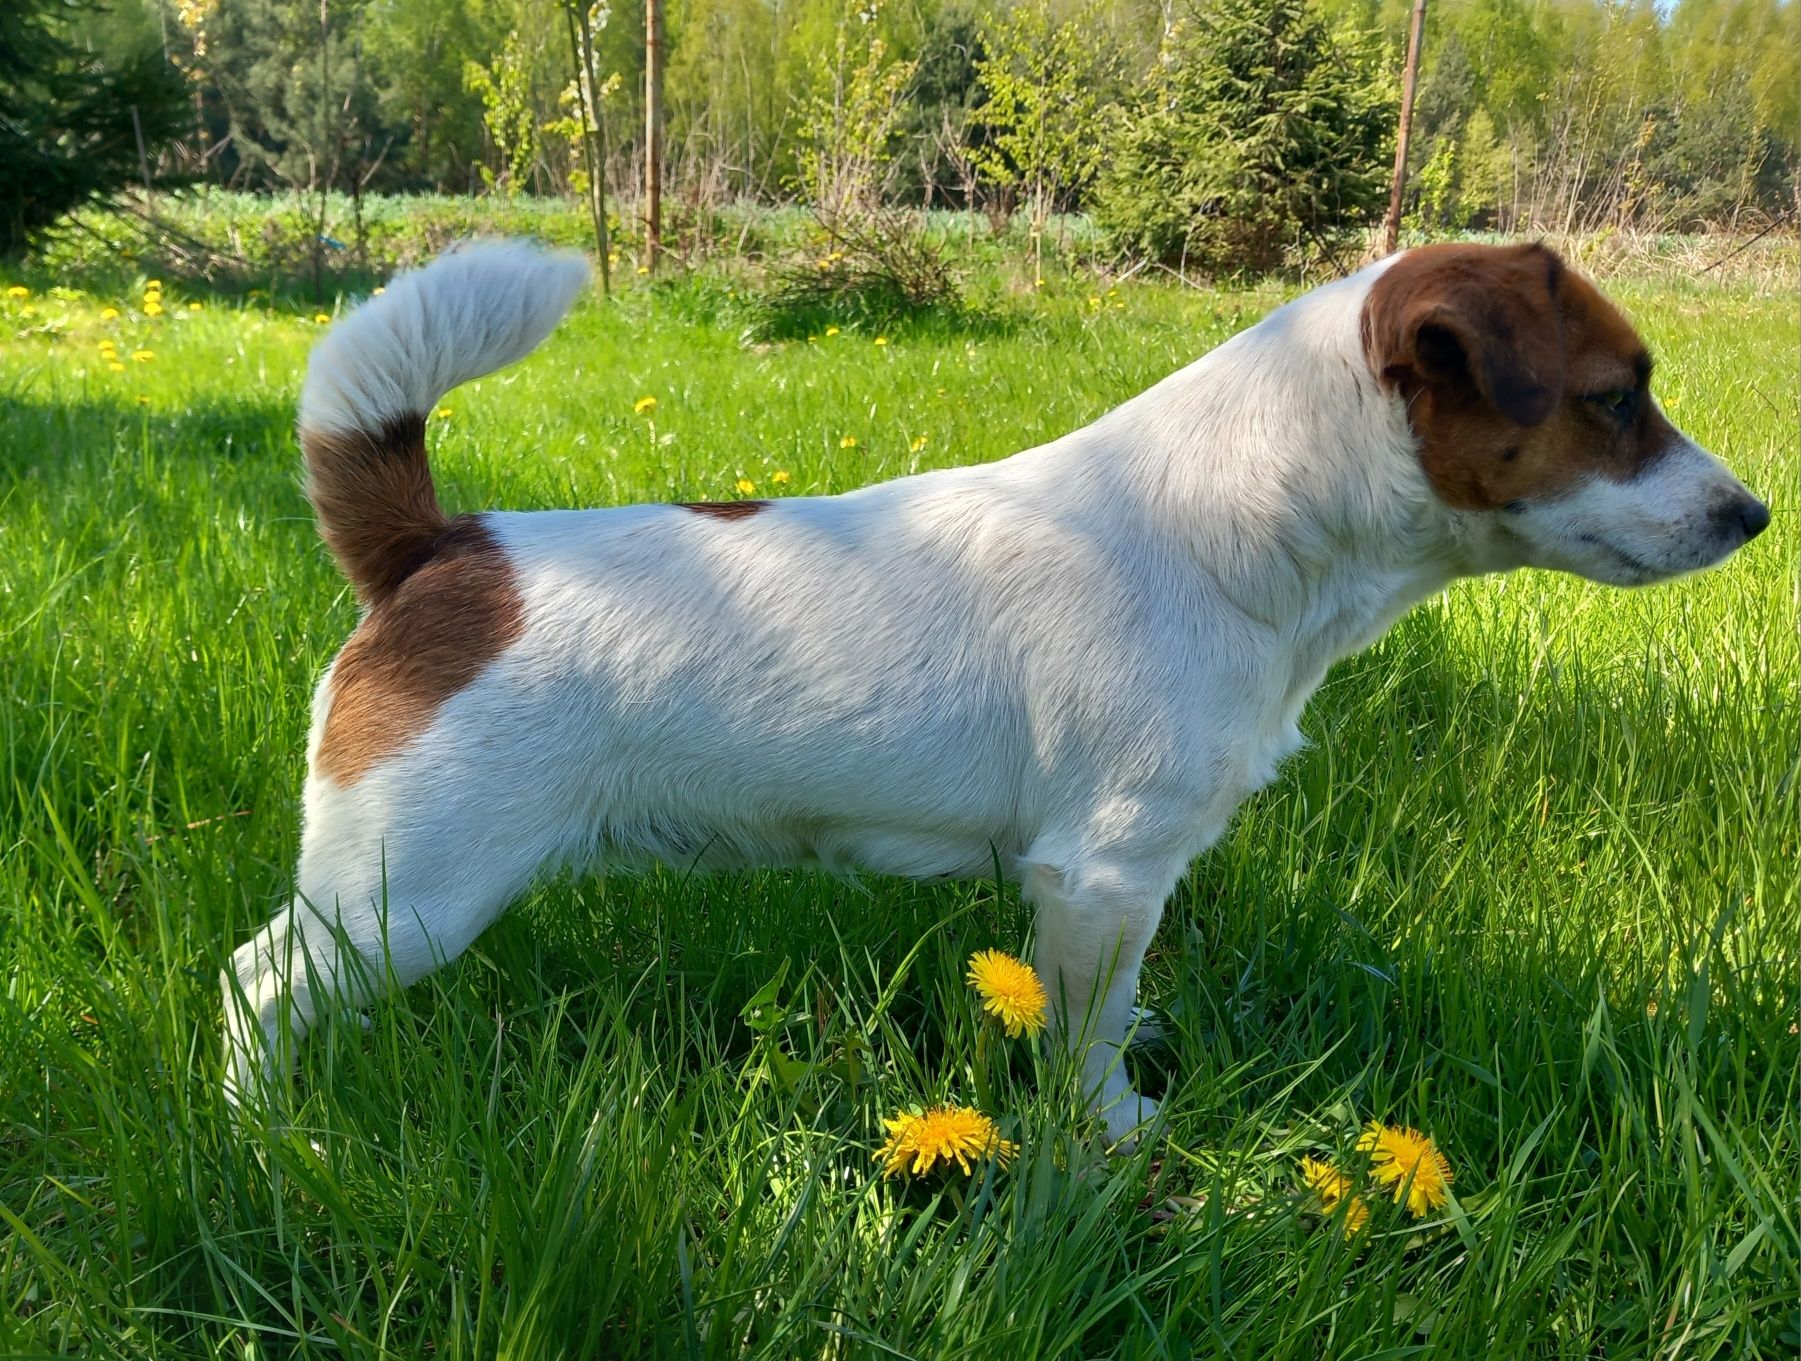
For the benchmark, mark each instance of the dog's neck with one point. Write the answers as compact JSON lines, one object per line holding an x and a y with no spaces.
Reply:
{"x":1291,"y":478}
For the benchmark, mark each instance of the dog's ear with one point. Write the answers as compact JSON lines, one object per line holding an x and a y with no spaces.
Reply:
{"x":1484,"y":317}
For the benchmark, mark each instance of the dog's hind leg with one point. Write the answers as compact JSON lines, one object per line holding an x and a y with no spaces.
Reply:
{"x":1096,"y":914}
{"x":389,"y":890}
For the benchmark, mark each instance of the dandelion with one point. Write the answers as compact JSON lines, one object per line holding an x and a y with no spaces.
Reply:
{"x":320,"y":318}
{"x":143,"y":400}
{"x":109,"y":314}
{"x":116,"y":367}
{"x":916,"y":1141}
{"x":1408,"y":1161}
{"x":643,"y":269}
{"x":881,"y":340}
{"x":919,"y":442}
{"x":153,"y":309}
{"x":1094,"y":301}
{"x":18,"y":291}
{"x":746,"y":486}
{"x":143,"y":356}
{"x":444,"y":413}
{"x":193,"y":307}
{"x":643,"y":405}
{"x":153,"y":285}
{"x":1332,"y":1187}
{"x":848,"y":442}
{"x":831,"y":330}
{"x":779,"y":477}
{"x":1010,"y":991}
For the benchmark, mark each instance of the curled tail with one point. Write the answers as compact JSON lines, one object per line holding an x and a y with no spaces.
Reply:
{"x":371,"y":383}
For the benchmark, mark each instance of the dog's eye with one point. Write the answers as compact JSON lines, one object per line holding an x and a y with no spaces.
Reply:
{"x":1616,"y":402}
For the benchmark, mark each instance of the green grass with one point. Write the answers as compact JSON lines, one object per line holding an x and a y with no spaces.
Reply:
{"x":1532,"y":889}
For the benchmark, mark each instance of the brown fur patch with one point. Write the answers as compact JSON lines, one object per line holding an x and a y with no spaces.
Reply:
{"x":723,"y":510}
{"x":372,"y":491}
{"x":1501,"y":353}
{"x":455,"y":612}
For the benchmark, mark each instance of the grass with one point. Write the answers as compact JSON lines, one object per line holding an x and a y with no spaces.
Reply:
{"x":1532,"y":890}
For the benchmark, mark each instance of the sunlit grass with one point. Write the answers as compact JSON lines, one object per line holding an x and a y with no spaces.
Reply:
{"x":1532,"y":892}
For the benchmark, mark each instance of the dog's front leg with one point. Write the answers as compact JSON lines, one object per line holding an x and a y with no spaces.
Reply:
{"x":1096,"y":915}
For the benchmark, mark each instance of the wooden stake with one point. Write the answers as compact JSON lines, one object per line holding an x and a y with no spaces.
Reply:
{"x":653,"y":131}
{"x":1391,"y":226}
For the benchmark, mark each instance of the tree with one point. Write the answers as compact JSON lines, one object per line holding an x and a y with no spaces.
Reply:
{"x":77,"y":121}
{"x":1045,"y":121}
{"x":1260,"y":130}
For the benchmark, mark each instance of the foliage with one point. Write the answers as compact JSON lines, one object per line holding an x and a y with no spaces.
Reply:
{"x":873,"y":262}
{"x":67,"y":105}
{"x":1261,"y":131}
{"x":507,"y":112}
{"x":1045,"y":119}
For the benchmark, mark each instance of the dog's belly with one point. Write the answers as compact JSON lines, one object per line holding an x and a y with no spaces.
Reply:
{"x":688,"y":840}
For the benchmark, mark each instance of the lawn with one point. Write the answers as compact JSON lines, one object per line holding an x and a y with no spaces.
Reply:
{"x":1532,"y":890}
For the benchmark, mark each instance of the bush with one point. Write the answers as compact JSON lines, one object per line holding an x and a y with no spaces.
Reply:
{"x":66,"y":106}
{"x":1260,"y":130}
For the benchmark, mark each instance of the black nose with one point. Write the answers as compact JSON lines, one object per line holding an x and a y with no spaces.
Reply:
{"x":1744,"y":515}
{"x":1754,"y":516}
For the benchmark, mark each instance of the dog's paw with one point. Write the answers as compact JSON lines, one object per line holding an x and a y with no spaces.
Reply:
{"x":1131,"y":1118}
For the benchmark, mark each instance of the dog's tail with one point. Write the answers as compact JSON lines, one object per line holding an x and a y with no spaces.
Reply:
{"x":371,"y":383}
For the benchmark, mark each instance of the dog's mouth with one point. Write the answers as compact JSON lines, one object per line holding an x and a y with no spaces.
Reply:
{"x":1638,"y":567}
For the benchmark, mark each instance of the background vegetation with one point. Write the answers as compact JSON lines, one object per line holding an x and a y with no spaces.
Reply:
{"x":1562,"y":115}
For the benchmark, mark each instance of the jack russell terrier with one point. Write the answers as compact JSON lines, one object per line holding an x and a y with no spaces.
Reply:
{"x":1075,"y":662}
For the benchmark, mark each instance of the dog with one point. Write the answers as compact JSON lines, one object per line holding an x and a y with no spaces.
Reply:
{"x":1074,"y":663}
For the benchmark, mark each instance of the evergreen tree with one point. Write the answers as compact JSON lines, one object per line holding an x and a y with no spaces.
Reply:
{"x":1259,"y":130}
{"x":66,"y":106}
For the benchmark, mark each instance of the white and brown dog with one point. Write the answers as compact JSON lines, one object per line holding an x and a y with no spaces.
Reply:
{"x":1075,"y":662}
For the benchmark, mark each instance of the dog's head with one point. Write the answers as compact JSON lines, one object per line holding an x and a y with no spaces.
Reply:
{"x":1530,"y":395}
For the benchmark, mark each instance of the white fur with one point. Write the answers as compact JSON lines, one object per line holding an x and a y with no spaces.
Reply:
{"x":474,"y":310}
{"x":1078,"y":660}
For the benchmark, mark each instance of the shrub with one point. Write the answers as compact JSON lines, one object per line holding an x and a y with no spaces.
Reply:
{"x":1260,"y":129}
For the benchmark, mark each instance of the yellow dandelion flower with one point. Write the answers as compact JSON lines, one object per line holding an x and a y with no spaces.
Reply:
{"x":1408,"y":1161}
{"x":1332,"y":1187}
{"x":153,"y":309}
{"x":779,"y":477}
{"x":193,"y":307}
{"x":116,"y":367}
{"x":831,"y":330}
{"x":18,"y":291}
{"x":848,"y":442}
{"x":746,"y":486}
{"x":1010,"y":991}
{"x":143,"y":356}
{"x":644,"y":404}
{"x":919,"y":1140}
{"x":107,"y":347}
{"x":153,"y":285}
{"x":881,"y":340}
{"x":643,"y":269}
{"x":320,"y":318}
{"x":1094,"y":302}
{"x":109,"y":313}
{"x":444,"y":413}
{"x":919,"y":442}
{"x":143,"y":400}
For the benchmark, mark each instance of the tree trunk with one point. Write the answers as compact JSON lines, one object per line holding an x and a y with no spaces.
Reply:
{"x":1391,"y":226}
{"x":653,"y":131}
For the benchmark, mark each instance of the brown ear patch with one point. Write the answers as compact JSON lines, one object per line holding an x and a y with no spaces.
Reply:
{"x":429,"y":638}
{"x":723,"y":510}
{"x":1494,"y":350}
